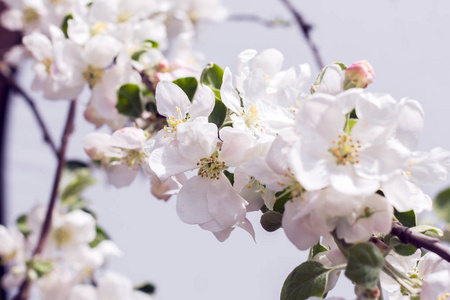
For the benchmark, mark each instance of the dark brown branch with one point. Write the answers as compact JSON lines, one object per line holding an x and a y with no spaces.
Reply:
{"x":420,"y":240}
{"x":5,"y":73}
{"x":23,"y":293}
{"x":305,"y":28}
{"x":259,"y":20}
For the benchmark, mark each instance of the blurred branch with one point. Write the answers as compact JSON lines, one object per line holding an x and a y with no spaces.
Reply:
{"x":306,"y":29}
{"x":259,"y":20}
{"x":24,"y":291}
{"x":5,"y":73}
{"x":8,"y":40}
{"x":420,"y":240}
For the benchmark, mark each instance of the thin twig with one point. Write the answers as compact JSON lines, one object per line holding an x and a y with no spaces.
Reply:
{"x":4,"y":72}
{"x":23,"y":293}
{"x":420,"y":240}
{"x":259,"y":20}
{"x":305,"y":28}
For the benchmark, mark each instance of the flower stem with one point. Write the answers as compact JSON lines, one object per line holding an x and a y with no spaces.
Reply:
{"x":24,"y":292}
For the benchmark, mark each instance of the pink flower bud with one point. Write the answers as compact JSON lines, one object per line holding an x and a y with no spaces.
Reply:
{"x":358,"y":75}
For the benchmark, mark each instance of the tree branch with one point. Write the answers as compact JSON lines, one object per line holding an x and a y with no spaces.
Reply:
{"x":23,"y":293}
{"x":5,"y":73}
{"x":420,"y":240}
{"x":259,"y":20}
{"x":305,"y":28}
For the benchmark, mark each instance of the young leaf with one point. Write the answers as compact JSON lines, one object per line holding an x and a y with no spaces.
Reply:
{"x":22,"y":224}
{"x":365,"y":261}
{"x":80,"y":180}
{"x":318,"y":248}
{"x":405,"y":249}
{"x":307,"y":280}
{"x":212,"y":76}
{"x":429,"y":230}
{"x":407,"y":219}
{"x":65,"y":24}
{"x":442,"y":205}
{"x":72,"y":165}
{"x":188,"y":85}
{"x":129,"y":101}
{"x":279,"y":204}
{"x":40,"y":267}
{"x":219,"y":114}
{"x":101,"y":236}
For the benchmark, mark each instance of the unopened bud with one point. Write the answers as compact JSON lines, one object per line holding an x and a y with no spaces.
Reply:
{"x":358,"y":75}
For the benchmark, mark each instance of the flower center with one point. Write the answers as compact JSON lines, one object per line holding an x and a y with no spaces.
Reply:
{"x":98,"y":28}
{"x":251,"y":116}
{"x":93,"y":75}
{"x":211,"y":167}
{"x":47,"y":62}
{"x":30,"y":15}
{"x":133,"y":159}
{"x":123,"y":17}
{"x":62,"y":236}
{"x":345,"y":150}
{"x":174,"y":121}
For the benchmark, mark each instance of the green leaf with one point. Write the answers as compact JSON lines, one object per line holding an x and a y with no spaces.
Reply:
{"x":129,"y":101}
{"x":407,"y":219}
{"x":40,"y":267}
{"x":442,"y":205}
{"x":322,"y":74}
{"x":230,"y":176}
{"x":151,"y":44}
{"x":136,"y":55}
{"x":365,"y":261}
{"x":212,"y":76}
{"x":146,"y":288}
{"x":65,"y":24}
{"x":279,"y":204}
{"x":271,"y":220}
{"x":72,"y":165}
{"x":101,"y":236}
{"x":342,"y":65}
{"x":146,"y":45}
{"x":22,"y":224}
{"x":316,"y":249}
{"x":219,"y":114}
{"x":79,"y":180}
{"x":350,"y":124}
{"x":405,"y":249}
{"x":428,"y":230}
{"x":307,"y":280}
{"x":188,"y":85}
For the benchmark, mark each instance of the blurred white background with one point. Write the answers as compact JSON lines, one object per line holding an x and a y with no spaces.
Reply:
{"x":408,"y":44}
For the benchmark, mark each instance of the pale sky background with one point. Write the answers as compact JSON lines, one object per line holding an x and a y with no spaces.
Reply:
{"x":408,"y":44}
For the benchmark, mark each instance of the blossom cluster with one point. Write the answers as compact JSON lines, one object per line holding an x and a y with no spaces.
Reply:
{"x":330,"y":163}
{"x":334,"y":163}
{"x":73,"y":256}
{"x":105,"y":44}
